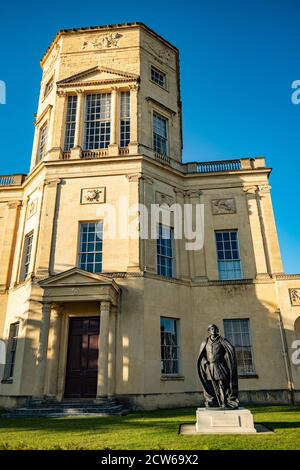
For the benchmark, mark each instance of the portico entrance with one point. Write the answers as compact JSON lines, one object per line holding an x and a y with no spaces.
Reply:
{"x":82,"y":360}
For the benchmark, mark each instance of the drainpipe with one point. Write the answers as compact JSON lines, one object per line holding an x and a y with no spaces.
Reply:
{"x":286,"y":358}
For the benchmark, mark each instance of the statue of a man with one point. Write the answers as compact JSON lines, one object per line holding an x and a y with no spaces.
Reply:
{"x":217,"y":371}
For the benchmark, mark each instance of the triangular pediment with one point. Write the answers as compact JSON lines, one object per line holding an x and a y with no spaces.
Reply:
{"x":77,"y":277}
{"x":97,"y":74}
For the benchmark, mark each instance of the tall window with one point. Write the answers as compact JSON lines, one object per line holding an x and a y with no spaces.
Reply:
{"x":169,"y":346}
{"x":229,"y":263}
{"x":158,"y":77}
{"x":42,"y":142}
{"x":90,"y":249}
{"x":238,"y":333}
{"x":124,"y":119}
{"x":165,"y":250}
{"x":26,"y":255}
{"x":70,"y":123}
{"x":11,"y":351}
{"x":160,"y":134}
{"x":48,"y":87}
{"x":97,"y":121}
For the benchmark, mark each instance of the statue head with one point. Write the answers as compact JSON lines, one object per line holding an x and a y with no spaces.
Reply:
{"x":213,"y":330}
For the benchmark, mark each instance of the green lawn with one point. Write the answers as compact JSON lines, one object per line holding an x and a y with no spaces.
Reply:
{"x":146,"y":430}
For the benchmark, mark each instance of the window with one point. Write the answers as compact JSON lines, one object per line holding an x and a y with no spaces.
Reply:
{"x":165,"y":248}
{"x":70,"y":123}
{"x":48,"y":87}
{"x":160,"y":137}
{"x":158,"y":77}
{"x":238,"y":333}
{"x":11,"y":351}
{"x":26,"y":255}
{"x":169,"y":346}
{"x":42,"y":142}
{"x":229,"y":263}
{"x":97,"y":121}
{"x":124,"y":119}
{"x":90,"y":250}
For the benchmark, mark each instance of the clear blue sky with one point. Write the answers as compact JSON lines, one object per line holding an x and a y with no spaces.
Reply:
{"x":238,"y":60}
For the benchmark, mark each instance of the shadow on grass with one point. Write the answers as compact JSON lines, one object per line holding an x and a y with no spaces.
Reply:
{"x":167,"y":419}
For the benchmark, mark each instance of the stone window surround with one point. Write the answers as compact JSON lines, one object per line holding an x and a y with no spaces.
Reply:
{"x":115,"y":114}
{"x":162,"y":71}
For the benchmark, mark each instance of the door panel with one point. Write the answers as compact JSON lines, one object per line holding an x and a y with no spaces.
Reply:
{"x":82,"y":362}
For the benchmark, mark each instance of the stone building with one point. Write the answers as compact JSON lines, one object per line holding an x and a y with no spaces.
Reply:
{"x":84,"y":315}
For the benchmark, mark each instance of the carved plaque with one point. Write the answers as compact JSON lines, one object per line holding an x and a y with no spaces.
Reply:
{"x":295,"y":296}
{"x":32,"y":208}
{"x":92,"y":196}
{"x":223,"y":206}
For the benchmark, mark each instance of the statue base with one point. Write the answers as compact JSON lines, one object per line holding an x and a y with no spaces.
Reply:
{"x":224,"y":421}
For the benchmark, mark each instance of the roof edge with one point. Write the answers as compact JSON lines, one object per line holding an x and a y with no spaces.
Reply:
{"x":104,"y":27}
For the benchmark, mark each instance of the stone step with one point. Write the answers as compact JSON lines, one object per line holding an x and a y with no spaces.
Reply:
{"x":38,"y":408}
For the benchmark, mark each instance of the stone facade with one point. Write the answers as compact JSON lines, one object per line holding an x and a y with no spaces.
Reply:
{"x":66,"y":187}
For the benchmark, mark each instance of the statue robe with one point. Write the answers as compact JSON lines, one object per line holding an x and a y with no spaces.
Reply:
{"x":229,"y":370}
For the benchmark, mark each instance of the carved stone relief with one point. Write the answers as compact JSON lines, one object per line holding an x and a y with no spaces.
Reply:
{"x":92,"y":196}
{"x":223,"y":206}
{"x":295,"y":296}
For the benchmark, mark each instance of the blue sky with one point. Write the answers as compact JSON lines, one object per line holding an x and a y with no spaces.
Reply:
{"x":238,"y":60}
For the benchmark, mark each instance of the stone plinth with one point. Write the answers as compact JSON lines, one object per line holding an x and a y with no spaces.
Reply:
{"x":219,"y":421}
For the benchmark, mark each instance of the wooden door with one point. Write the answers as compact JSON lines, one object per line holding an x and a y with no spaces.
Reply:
{"x":82,"y":362}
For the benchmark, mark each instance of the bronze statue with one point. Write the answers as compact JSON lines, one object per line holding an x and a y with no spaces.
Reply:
{"x":217,"y":371}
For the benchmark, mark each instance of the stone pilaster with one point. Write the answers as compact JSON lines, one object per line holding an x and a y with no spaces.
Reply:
{"x":198,"y":255}
{"x":102,"y":386}
{"x":114,"y":120}
{"x":133,"y":145}
{"x":7,"y":247}
{"x":44,"y":248}
{"x":133,"y":238}
{"x":51,"y":385}
{"x":111,"y":385}
{"x":76,"y":151}
{"x":257,"y":233}
{"x":41,"y":357}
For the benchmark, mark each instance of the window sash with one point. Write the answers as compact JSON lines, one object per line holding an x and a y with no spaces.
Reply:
{"x":97,"y":121}
{"x":169,"y":346}
{"x":42,"y":142}
{"x":160,"y":134}
{"x":27,"y":254}
{"x":124,"y":119}
{"x":165,"y":251}
{"x":91,"y":246}
{"x":70,"y":123}
{"x":228,"y":254}
{"x":11,"y":351}
{"x":158,"y":77}
{"x":238,"y":333}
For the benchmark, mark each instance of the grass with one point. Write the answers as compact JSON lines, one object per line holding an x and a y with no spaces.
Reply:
{"x":146,"y":430}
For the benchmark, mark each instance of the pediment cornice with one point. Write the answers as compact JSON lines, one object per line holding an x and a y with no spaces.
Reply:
{"x":97,"y":76}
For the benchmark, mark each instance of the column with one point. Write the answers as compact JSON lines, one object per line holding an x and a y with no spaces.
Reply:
{"x":182,"y":266}
{"x":51,"y":387}
{"x":41,"y":358}
{"x":256,"y":233}
{"x":111,"y":386}
{"x":113,"y":146}
{"x":7,"y":248}
{"x":76,"y":151}
{"x":133,"y":237}
{"x":102,"y":387}
{"x":44,"y":247}
{"x":149,"y":250}
{"x":133,"y":145}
